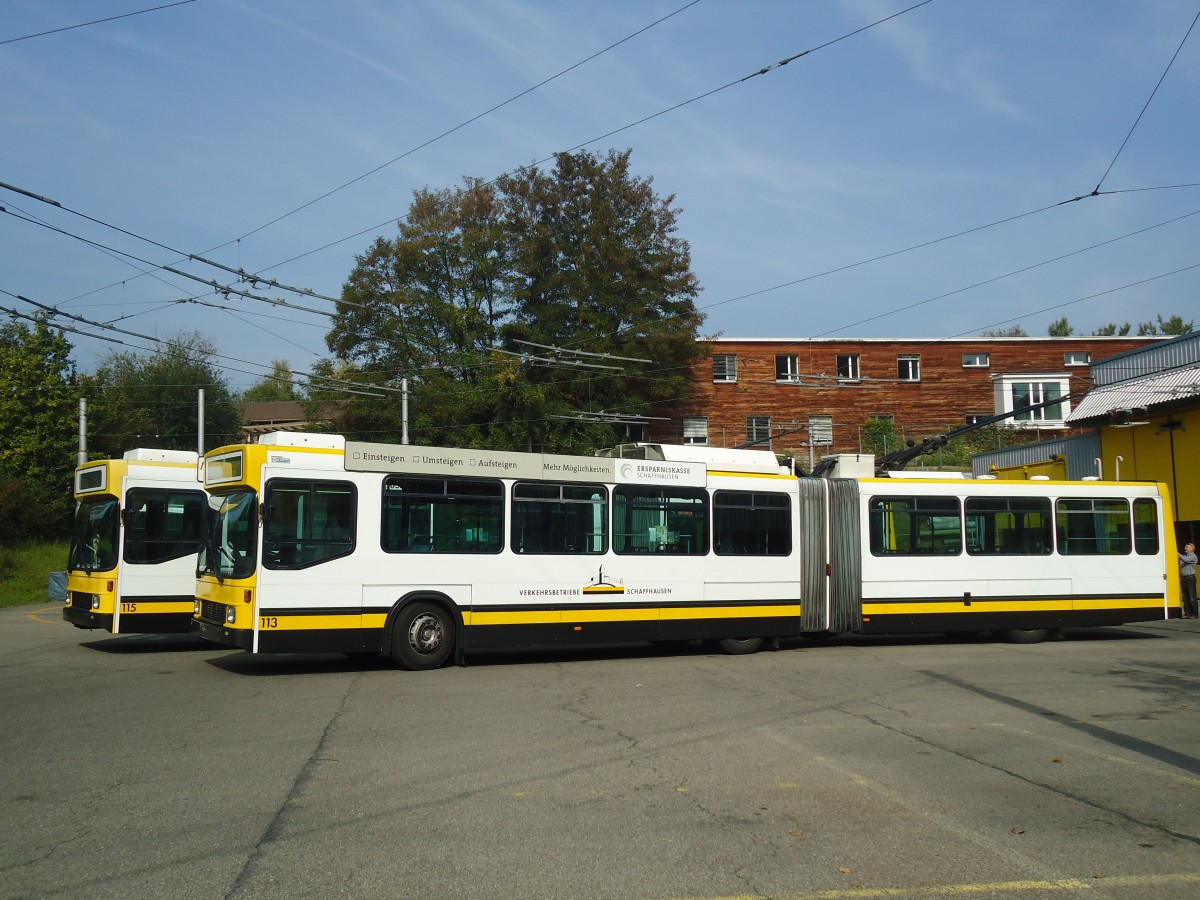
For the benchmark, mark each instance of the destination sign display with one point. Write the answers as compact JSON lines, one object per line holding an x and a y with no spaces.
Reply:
{"x":405,"y":458}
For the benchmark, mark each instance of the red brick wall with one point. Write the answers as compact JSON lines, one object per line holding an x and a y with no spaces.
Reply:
{"x":940,"y":401}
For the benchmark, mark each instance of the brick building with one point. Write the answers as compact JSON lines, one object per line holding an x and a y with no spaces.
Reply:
{"x":751,"y":389}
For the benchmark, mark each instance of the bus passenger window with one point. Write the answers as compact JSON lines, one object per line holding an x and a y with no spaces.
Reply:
{"x":559,"y":518}
{"x":752,"y":523}
{"x":442,"y":515}
{"x":915,"y":526}
{"x":1008,"y":526}
{"x":1093,"y":527}
{"x":1145,"y":526}
{"x":650,"y":519}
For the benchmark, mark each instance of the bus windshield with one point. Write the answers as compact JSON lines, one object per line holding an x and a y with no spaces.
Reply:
{"x":228,"y":547}
{"x":96,"y":535}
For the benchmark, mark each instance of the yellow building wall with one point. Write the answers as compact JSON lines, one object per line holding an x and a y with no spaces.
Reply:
{"x":1158,"y":452}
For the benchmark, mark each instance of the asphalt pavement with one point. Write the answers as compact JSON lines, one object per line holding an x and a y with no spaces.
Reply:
{"x":160,"y":766}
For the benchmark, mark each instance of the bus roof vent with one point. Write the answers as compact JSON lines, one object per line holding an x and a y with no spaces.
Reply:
{"x":303,"y":439}
{"x":148,"y":454}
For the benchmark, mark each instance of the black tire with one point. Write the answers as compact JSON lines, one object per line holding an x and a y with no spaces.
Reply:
{"x":1028,"y":635}
{"x":422,"y":637}
{"x":736,"y":646}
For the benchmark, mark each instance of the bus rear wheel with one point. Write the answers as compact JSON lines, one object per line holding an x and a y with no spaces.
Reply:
{"x":735,"y":646}
{"x":422,"y":637}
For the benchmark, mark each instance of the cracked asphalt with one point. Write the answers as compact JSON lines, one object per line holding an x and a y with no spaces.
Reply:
{"x":160,"y":766}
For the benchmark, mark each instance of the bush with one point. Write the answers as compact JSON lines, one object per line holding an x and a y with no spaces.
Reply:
{"x":25,"y":571}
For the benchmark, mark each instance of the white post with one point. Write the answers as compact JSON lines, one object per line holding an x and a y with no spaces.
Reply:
{"x":200,"y":423}
{"x":404,"y":410}
{"x":81,"y":456}
{"x":1120,"y":459}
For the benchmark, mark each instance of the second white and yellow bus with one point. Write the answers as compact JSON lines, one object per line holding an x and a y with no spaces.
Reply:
{"x":319,"y":545}
{"x":132,"y":561}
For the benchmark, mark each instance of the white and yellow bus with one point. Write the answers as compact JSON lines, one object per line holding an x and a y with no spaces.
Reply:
{"x":132,"y":562}
{"x":320,"y":545}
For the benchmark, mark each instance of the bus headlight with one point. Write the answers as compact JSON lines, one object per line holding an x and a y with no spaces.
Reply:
{"x":196,"y":608}
{"x":230,"y":614}
{"x":95,"y":601}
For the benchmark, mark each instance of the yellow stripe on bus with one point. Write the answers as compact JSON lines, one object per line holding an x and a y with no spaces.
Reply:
{"x":982,"y":604}
{"x":483,"y":617}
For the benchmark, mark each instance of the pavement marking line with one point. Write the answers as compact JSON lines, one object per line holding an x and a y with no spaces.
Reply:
{"x":37,"y":617}
{"x":964,"y":890}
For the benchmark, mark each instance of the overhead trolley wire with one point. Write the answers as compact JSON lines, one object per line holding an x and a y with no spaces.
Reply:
{"x":469,"y":121}
{"x":1149,"y":100}
{"x":634,"y":124}
{"x":127,"y":15}
{"x":56,"y":312}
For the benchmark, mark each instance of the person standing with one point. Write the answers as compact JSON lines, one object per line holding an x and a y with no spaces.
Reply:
{"x":1187,"y":580}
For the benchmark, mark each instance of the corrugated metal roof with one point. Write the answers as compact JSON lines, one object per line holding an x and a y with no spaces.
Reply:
{"x":1174,"y":353}
{"x":1146,"y":392}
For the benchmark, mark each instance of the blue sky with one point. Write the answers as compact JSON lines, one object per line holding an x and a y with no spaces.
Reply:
{"x":196,"y":126}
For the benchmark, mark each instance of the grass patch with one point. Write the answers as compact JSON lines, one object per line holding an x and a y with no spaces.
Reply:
{"x":25,"y":571}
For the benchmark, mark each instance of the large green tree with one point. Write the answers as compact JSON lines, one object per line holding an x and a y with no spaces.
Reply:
{"x":517,"y":309}
{"x":38,"y":428}
{"x":150,"y":400}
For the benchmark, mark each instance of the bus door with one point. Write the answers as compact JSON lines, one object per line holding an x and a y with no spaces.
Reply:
{"x":830,"y":565}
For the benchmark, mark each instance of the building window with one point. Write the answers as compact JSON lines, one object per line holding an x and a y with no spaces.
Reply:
{"x":787,"y":367}
{"x":1077,"y":358}
{"x":725,"y":367}
{"x":1036,"y":393}
{"x":758,"y":430}
{"x":695,"y":429}
{"x":848,"y":368}
{"x":1049,"y":393}
{"x":908,"y":367}
{"x":976,"y":360}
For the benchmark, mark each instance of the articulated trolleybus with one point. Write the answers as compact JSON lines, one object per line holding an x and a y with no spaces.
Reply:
{"x":321,"y":545}
{"x":132,"y":562}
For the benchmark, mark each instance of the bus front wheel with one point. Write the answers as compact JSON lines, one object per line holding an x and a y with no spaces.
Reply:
{"x":422,"y":637}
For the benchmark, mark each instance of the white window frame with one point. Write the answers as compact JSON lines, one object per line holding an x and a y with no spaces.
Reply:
{"x":724,"y":368}
{"x":695,"y":430}
{"x":1038,"y":386}
{"x":1077,"y":358}
{"x":911,"y":371}
{"x":787,"y":367}
{"x":977,"y":360}
{"x":758,"y":428}
{"x":852,"y":371}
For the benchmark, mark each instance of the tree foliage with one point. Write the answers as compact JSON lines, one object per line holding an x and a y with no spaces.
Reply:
{"x":152,"y":400}
{"x":38,"y":446}
{"x":1172,"y":325}
{"x":489,"y":289}
{"x":278,"y":386}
